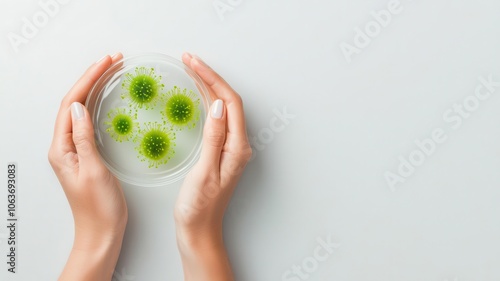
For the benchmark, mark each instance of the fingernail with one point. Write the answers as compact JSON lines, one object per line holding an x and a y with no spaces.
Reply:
{"x":200,"y":60}
{"x":115,"y":55}
{"x":189,"y":55}
{"x":99,"y":61}
{"x":77,"y":111}
{"x":217,"y":109}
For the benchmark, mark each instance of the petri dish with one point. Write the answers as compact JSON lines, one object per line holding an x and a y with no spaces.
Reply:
{"x":138,"y":133}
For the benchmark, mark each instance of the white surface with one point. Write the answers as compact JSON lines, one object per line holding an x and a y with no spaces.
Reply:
{"x":323,"y":174}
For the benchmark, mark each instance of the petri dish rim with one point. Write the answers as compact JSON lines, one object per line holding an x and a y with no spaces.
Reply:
{"x":101,"y":87}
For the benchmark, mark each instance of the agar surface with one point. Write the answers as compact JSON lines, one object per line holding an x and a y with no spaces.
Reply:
{"x":142,"y":90}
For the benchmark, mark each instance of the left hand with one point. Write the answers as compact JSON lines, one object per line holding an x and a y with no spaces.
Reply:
{"x":94,"y":194}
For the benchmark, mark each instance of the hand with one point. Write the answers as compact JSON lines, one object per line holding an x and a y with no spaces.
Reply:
{"x":94,"y":194}
{"x":207,"y":189}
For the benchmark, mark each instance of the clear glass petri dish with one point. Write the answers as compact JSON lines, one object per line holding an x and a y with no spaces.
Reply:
{"x":124,"y":155}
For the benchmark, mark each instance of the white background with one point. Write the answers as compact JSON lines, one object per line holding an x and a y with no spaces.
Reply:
{"x":323,"y":175}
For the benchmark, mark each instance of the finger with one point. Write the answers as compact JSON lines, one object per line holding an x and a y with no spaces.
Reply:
{"x":78,"y":93}
{"x":116,"y":57}
{"x":117,"y":61}
{"x":83,"y":136}
{"x":214,"y":136}
{"x":186,"y":59}
{"x":82,"y":87}
{"x":234,"y":105}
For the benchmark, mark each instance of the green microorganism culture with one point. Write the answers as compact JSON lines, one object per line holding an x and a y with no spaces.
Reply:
{"x":155,"y":144}
{"x":142,"y":88}
{"x":181,"y":108}
{"x":120,"y":124}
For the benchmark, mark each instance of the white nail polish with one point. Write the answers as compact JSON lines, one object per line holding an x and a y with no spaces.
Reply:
{"x":77,"y":110}
{"x":217,"y":109}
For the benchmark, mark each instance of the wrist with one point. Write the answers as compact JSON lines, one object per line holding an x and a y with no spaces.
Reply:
{"x":203,"y":255}
{"x":98,"y":252}
{"x":92,"y":238}
{"x":191,"y":239}
{"x":94,"y":231}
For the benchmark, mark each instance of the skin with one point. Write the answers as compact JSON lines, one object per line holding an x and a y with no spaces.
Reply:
{"x":94,"y":194}
{"x":97,"y":200}
{"x":207,"y":189}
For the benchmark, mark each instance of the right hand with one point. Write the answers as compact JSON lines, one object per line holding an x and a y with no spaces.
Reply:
{"x":208,"y":187}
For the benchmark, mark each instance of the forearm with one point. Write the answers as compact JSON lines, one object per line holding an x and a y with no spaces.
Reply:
{"x":204,"y":257}
{"x":92,"y":259}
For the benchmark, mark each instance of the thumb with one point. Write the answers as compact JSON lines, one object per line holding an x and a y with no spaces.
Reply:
{"x":214,"y":135}
{"x":83,"y":134}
